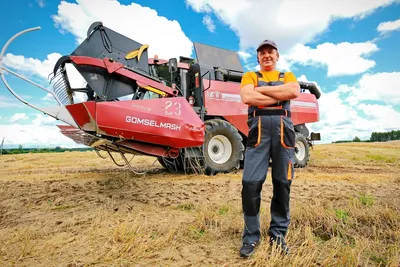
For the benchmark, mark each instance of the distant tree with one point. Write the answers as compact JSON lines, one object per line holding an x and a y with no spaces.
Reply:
{"x":385,"y":136}
{"x":356,"y":139}
{"x":20,"y":148}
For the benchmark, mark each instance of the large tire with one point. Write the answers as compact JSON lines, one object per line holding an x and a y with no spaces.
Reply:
{"x":223,"y":147}
{"x":172,"y":165}
{"x":301,"y":152}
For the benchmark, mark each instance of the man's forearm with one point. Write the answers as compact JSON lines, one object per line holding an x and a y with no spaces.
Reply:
{"x":263,"y":100}
{"x":285,"y":91}
{"x":253,"y":98}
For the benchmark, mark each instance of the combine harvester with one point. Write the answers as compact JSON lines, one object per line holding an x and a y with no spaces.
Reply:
{"x":188,"y":113}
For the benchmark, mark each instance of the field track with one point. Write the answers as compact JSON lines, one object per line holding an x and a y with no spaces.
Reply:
{"x":76,"y":209}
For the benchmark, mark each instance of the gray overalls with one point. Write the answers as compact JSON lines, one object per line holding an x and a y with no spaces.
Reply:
{"x":271,"y":136}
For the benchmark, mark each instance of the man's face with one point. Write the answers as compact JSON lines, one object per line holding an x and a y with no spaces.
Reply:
{"x":267,"y":57}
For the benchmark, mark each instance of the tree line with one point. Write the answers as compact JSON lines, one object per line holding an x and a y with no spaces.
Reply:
{"x":21,"y":150}
{"x":376,"y":137}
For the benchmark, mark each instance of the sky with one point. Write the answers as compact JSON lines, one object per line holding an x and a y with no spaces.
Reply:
{"x":350,"y":49}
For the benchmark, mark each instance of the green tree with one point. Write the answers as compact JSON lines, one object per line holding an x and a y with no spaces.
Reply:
{"x":356,"y":139}
{"x":385,"y":136}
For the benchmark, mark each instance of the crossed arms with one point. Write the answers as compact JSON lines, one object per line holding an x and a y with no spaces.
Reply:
{"x":268,"y":95}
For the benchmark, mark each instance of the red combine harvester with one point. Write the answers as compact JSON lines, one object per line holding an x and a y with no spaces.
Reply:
{"x":187,"y":113}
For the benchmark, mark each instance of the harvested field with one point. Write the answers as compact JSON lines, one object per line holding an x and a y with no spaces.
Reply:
{"x":76,"y":209}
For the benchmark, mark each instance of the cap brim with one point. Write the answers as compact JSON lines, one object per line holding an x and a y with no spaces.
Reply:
{"x":263,"y":45}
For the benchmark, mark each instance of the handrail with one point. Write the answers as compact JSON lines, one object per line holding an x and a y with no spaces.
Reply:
{"x":57,"y":113}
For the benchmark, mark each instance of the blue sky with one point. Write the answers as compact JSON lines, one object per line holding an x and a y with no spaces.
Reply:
{"x":349,"y":48}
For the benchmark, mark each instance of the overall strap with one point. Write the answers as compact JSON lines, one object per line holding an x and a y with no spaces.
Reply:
{"x":259,"y":75}
{"x":281,"y":77}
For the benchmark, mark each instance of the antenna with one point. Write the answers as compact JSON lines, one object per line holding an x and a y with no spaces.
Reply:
{"x":1,"y":147}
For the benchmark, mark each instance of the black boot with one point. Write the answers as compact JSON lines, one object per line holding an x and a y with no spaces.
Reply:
{"x":279,"y":242}
{"x":247,"y":249}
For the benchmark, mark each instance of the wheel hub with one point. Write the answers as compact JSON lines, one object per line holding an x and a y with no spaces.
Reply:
{"x":219,"y":149}
{"x":215,"y":149}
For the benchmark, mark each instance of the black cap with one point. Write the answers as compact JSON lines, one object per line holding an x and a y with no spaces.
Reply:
{"x":268,"y":42}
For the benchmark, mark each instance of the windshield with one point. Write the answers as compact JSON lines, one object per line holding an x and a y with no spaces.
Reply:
{"x":161,"y":72}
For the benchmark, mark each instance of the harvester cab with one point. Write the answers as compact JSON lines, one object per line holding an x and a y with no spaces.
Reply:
{"x":186,"y":113}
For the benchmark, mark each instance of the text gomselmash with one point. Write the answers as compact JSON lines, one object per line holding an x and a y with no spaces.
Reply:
{"x":153,"y":123}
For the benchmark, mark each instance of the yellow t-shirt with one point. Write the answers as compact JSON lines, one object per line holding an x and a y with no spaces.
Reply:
{"x":268,"y":76}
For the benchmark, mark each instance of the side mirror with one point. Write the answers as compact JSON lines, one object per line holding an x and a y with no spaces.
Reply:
{"x":173,"y":65}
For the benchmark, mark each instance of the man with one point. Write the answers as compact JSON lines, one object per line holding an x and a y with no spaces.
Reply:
{"x":271,"y":136}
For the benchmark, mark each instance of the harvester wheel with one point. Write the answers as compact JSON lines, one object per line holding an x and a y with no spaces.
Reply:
{"x":172,"y":165}
{"x":301,"y":152}
{"x":223,"y":147}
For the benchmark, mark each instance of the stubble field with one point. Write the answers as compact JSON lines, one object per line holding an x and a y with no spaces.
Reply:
{"x":76,"y":209}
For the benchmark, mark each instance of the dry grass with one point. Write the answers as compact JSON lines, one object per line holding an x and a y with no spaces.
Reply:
{"x":75,"y":209}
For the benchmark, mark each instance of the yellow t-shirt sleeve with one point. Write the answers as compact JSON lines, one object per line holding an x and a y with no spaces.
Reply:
{"x":289,"y":77}
{"x":248,"y":78}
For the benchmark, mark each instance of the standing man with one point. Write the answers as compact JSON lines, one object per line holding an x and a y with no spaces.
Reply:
{"x":271,"y":137}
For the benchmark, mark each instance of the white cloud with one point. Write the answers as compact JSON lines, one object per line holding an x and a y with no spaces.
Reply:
{"x":339,"y":59}
{"x":343,"y":116}
{"x":18,"y":117}
{"x":32,"y":66}
{"x":34,"y":135}
{"x":7,"y":102}
{"x":41,"y":3}
{"x":287,"y":22}
{"x":42,"y":120}
{"x":342,"y":121}
{"x":76,"y":79}
{"x":244,"y":55}
{"x":383,"y":86}
{"x":383,"y":116}
{"x":42,"y":131}
{"x":48,"y":97}
{"x":207,"y":20}
{"x":283,"y":64}
{"x":334,"y":111}
{"x":302,"y":78}
{"x":142,"y":24}
{"x":389,"y":26}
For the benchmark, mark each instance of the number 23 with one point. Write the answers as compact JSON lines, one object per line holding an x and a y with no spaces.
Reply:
{"x":172,"y":108}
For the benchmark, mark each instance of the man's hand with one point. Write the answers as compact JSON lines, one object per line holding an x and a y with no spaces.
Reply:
{"x":251,"y":97}
{"x":282,"y":92}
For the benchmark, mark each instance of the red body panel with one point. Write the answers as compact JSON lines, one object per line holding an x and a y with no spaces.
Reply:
{"x":91,"y":108}
{"x":169,"y":122}
{"x":84,"y":115}
{"x":223,"y":99}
